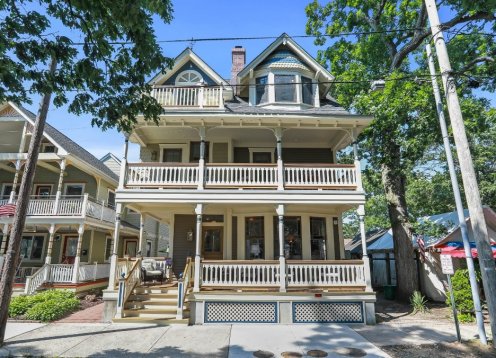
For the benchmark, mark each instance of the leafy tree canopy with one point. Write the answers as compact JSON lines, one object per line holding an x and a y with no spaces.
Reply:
{"x":105,"y":67}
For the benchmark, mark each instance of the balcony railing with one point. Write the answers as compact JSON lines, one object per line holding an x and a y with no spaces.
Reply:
{"x":295,"y":176}
{"x":183,"y":96}
{"x":73,"y":206}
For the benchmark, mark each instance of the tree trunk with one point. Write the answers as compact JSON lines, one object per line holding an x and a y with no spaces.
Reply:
{"x":394,"y":186}
{"x":12,"y":255}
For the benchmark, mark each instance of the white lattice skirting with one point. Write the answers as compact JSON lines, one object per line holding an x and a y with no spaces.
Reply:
{"x":328,"y":312}
{"x":241,"y":312}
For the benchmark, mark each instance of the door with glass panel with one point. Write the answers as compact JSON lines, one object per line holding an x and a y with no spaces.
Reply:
{"x":212,"y":243}
{"x":70,"y":249}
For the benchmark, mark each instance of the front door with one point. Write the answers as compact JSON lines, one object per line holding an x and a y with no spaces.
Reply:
{"x":212,"y":243}
{"x":70,"y":249}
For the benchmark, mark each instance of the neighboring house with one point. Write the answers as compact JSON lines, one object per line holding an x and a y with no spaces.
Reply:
{"x":432,"y":280}
{"x":245,"y":174}
{"x":68,"y":235}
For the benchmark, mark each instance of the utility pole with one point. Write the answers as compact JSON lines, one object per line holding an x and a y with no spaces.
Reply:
{"x":458,"y":201}
{"x":479,"y":227}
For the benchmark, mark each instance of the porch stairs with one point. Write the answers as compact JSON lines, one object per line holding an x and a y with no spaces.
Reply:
{"x":153,"y":304}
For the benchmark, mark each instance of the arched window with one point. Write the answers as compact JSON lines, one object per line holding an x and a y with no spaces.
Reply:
{"x":188,"y":78}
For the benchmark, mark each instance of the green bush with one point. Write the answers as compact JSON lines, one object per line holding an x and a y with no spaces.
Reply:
{"x":44,"y":306}
{"x":463,"y":295}
{"x":19,"y":306}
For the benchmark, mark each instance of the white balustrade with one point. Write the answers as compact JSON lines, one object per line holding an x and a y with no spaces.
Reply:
{"x":231,"y":273}
{"x":320,"y":176}
{"x":100,"y":211}
{"x":34,"y":281}
{"x":61,"y":273}
{"x":127,"y":285}
{"x":162,"y":175}
{"x":70,"y":206}
{"x":93,"y":272}
{"x":325,"y":274}
{"x":183,"y":96}
{"x":241,"y":176}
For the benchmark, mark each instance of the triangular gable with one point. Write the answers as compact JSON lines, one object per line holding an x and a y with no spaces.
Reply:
{"x":180,"y":61}
{"x":291,"y":45}
{"x":27,"y":118}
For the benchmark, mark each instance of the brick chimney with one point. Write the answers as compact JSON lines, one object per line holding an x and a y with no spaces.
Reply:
{"x":238,"y":63}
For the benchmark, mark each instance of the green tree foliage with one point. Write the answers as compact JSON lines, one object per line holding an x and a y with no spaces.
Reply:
{"x":388,"y":44}
{"x":463,"y":295}
{"x":102,"y":69}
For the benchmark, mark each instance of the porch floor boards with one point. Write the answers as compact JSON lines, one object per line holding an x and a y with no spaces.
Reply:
{"x":341,"y":289}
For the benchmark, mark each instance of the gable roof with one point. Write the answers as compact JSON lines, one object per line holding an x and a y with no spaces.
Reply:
{"x":288,"y":42}
{"x":68,"y":145}
{"x":110,"y":156}
{"x":180,"y":60}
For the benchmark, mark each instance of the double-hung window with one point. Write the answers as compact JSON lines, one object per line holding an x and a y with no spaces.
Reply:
{"x":306,"y":90}
{"x":285,"y":88}
{"x":262,"y":89}
{"x":32,"y":247}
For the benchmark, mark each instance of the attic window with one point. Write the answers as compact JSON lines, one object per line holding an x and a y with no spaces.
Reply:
{"x":285,"y":88}
{"x":48,"y":148}
{"x":188,"y":78}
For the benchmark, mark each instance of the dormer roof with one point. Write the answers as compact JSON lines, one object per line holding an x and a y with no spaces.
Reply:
{"x":180,"y":61}
{"x":284,"y":50}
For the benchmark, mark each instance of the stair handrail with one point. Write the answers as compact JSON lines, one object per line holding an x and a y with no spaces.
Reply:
{"x":34,"y":281}
{"x":183,"y":284}
{"x":127,"y":283}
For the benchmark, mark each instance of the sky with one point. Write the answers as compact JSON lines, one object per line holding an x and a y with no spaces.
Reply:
{"x":197,"y":19}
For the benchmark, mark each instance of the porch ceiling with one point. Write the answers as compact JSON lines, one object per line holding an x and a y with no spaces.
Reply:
{"x":165,"y":211}
{"x":334,"y":137}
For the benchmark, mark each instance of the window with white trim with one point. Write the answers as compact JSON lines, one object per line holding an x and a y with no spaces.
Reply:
{"x":285,"y":88}
{"x":32,"y":247}
{"x":74,"y":189}
{"x":188,"y":78}
{"x":108,"y":248}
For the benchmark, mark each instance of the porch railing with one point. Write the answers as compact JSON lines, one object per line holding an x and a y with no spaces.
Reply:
{"x":183,"y":286}
{"x":34,"y":281}
{"x":188,"y":96}
{"x":61,"y":273}
{"x":240,"y":273}
{"x":93,"y":272}
{"x":127,"y":285}
{"x":295,"y":176}
{"x":79,"y":206}
{"x":267,"y":273}
{"x":325,"y":273}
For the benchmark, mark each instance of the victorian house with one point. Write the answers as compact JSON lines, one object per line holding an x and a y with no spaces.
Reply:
{"x":245,"y":174}
{"x":68,"y":235}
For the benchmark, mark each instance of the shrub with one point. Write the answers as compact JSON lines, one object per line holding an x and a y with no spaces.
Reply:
{"x":418,"y":303}
{"x":44,"y":306}
{"x":19,"y":306}
{"x":463,"y":295}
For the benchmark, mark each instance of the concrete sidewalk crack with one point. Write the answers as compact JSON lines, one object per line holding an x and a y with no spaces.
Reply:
{"x":84,"y":340}
{"x":163,"y":334}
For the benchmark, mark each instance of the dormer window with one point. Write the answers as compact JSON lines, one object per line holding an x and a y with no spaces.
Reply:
{"x":285,"y":88}
{"x":188,"y":78}
{"x":307,"y":90}
{"x":262,"y":90}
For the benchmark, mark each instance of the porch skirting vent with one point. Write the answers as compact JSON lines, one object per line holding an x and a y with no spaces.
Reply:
{"x":240,"y":312}
{"x":328,"y":312}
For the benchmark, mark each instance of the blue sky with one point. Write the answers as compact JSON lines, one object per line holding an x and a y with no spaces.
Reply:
{"x":198,"y":19}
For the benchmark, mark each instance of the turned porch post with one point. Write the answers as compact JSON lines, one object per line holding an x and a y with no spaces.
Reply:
{"x":201,"y":161}
{"x":51,"y":232}
{"x":280,"y":165}
{"x":282,"y":259}
{"x":75,"y":272}
{"x":59,"y":185}
{"x":115,"y":245}
{"x":142,"y":235}
{"x":199,"y":213}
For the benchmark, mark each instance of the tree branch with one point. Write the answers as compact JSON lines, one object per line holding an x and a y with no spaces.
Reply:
{"x":420,"y":36}
{"x":475,"y":61}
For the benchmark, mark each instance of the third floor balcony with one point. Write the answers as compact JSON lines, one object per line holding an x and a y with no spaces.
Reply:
{"x":189,"y":96}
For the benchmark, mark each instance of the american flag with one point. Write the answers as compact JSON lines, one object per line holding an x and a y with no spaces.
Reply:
{"x":421,"y":247}
{"x":7,"y":210}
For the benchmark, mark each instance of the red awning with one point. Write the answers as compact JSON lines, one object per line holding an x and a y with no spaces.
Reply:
{"x":459,"y":252}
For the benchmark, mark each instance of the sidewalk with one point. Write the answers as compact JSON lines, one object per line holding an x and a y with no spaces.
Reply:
{"x":226,"y":341}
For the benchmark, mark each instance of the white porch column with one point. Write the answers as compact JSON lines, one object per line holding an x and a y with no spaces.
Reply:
{"x":18,"y":164}
{"x":51,"y":232}
{"x":59,"y":185}
{"x":122,"y":174}
{"x":115,"y":245}
{"x":357,"y":161}
{"x":142,"y":237}
{"x":201,"y":162}
{"x":282,"y":259}
{"x":365,"y":257}
{"x":75,"y":272}
{"x":5,"y":236}
{"x":280,"y":165}
{"x":199,"y":213}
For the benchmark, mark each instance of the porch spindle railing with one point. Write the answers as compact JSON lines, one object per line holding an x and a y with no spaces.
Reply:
{"x":184,"y":284}
{"x":127,"y":285}
{"x":240,"y":273}
{"x":308,"y":273}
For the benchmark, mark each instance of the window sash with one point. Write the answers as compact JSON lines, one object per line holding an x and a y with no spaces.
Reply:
{"x":262,"y":90}
{"x":254,"y":237}
{"x":307,"y":90}
{"x":172,"y":155}
{"x":285,"y":88}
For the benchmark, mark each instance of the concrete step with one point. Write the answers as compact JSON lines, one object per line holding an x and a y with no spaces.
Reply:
{"x":153,"y":290}
{"x":157,"y":321}
{"x":134,"y":305}
{"x":164,"y":297}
